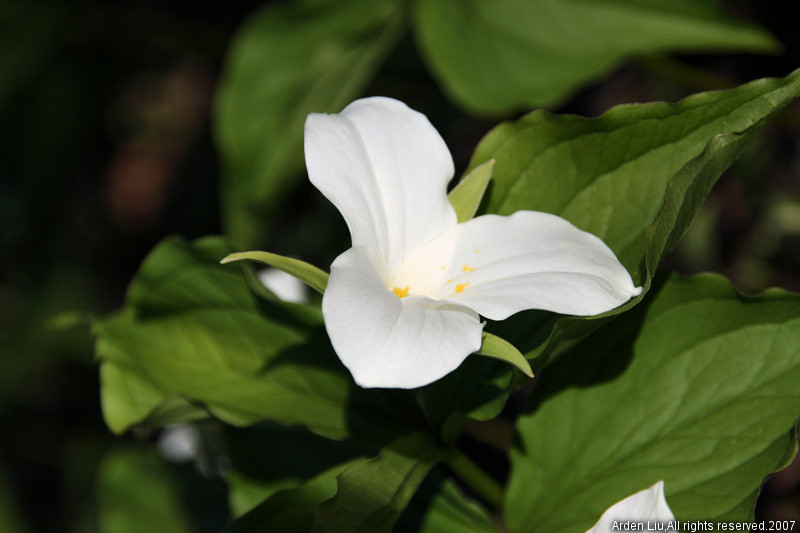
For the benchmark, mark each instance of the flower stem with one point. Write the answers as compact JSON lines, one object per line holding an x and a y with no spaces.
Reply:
{"x":486,"y":486}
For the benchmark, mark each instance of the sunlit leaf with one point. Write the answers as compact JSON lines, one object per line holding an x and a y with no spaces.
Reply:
{"x":634,"y":177}
{"x":496,"y":56}
{"x":700,"y":388}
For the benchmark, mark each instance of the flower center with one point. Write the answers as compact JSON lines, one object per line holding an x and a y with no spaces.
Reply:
{"x":401,"y":293}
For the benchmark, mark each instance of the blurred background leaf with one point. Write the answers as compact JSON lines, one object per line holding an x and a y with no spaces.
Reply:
{"x":136,"y":489}
{"x":495,"y":57}
{"x":291,"y":59}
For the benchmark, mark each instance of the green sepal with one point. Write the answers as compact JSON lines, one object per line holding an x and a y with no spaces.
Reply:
{"x":499,"y":348}
{"x":467,"y":195}
{"x":312,"y":276}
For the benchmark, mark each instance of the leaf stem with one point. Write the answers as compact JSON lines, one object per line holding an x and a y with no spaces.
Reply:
{"x":486,"y":486}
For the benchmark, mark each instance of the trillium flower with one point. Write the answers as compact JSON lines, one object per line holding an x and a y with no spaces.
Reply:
{"x":648,"y":505}
{"x":402,"y":307}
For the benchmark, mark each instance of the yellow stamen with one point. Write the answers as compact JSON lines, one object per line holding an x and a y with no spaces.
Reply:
{"x":467,"y":268}
{"x":401,"y":293}
{"x":461,"y":286}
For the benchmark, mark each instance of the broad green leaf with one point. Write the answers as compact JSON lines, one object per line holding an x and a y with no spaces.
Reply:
{"x":700,"y":388}
{"x":372,"y":493}
{"x":497,"y":56}
{"x":192,"y":329}
{"x":467,"y":195}
{"x":634,"y":177}
{"x":290,"y":59}
{"x":134,"y":493}
{"x":291,"y":510}
{"x":440,"y":507}
{"x":128,"y":398}
{"x":312,"y":276}
{"x":294,"y":457}
{"x":498,"y":348}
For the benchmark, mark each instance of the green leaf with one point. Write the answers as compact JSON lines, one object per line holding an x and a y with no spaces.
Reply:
{"x":634,"y":177}
{"x":443,"y":508}
{"x":312,"y":276}
{"x":294,"y":457}
{"x":477,"y":390}
{"x":467,"y":195}
{"x":192,"y":329}
{"x":134,"y":491}
{"x":291,"y":510}
{"x":372,"y":493}
{"x":701,"y":389}
{"x":498,"y":348}
{"x":497,"y":56}
{"x":128,"y":398}
{"x":290,"y":59}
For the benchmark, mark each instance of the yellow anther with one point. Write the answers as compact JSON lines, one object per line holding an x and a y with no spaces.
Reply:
{"x":467,"y":268}
{"x":401,"y":293}
{"x":461,"y":286}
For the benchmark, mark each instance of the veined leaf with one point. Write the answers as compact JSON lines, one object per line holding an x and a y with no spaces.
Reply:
{"x":634,"y":177}
{"x":700,"y":388}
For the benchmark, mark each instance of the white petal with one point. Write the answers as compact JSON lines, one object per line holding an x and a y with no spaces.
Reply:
{"x":501,"y":265}
{"x":648,"y":504}
{"x":285,"y":286}
{"x":386,"y":169}
{"x":180,"y":443}
{"x":386,"y":341}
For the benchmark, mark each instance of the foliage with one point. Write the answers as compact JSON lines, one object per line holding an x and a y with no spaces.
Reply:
{"x":691,"y":382}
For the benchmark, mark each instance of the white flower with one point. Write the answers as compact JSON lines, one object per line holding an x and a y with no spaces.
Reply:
{"x":285,"y":286}
{"x":646,"y":506}
{"x":402,"y":305}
